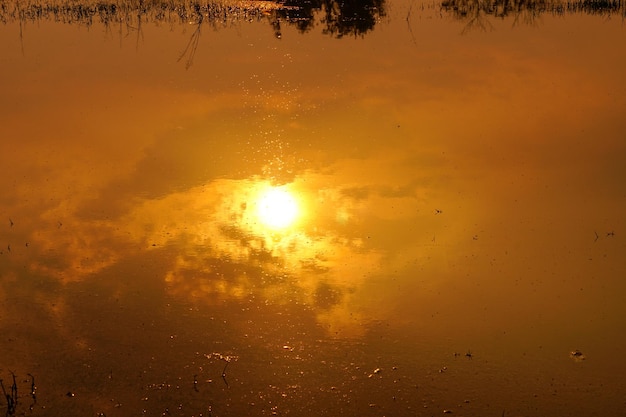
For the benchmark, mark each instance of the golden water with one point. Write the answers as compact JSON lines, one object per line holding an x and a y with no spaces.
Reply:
{"x":449,"y":227}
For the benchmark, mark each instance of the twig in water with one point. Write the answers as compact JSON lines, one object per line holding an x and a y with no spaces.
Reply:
{"x":33,"y":392}
{"x":11,"y":399}
{"x":14,"y":387}
{"x":7,"y":396}
{"x":224,"y":374}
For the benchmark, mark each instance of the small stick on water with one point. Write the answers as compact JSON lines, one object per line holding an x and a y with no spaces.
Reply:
{"x":195,"y":382}
{"x":33,"y":387}
{"x":224,"y":373}
{"x":14,"y":389}
{"x":7,"y":396}
{"x":11,"y":400}
{"x":33,"y":391}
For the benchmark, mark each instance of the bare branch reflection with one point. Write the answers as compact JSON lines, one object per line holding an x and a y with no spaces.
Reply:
{"x":192,"y":46}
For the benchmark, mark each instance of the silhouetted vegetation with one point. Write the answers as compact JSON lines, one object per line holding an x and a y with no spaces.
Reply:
{"x":338,"y":18}
{"x":475,"y":11}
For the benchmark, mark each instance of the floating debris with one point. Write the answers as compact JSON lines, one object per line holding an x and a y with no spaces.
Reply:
{"x":577,"y":355}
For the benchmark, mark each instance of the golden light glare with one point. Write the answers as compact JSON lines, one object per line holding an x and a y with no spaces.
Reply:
{"x":277,"y":208}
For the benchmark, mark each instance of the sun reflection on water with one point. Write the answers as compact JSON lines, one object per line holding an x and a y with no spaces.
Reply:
{"x":277,"y":208}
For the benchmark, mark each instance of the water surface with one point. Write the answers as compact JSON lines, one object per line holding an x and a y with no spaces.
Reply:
{"x":448,"y":226}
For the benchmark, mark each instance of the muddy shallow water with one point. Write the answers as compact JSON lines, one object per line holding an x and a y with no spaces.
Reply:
{"x":250,"y":209}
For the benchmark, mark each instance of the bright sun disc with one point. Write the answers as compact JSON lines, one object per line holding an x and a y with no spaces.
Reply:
{"x":277,"y":208}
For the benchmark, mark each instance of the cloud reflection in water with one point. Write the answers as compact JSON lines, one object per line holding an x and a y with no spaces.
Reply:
{"x":222,"y":252}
